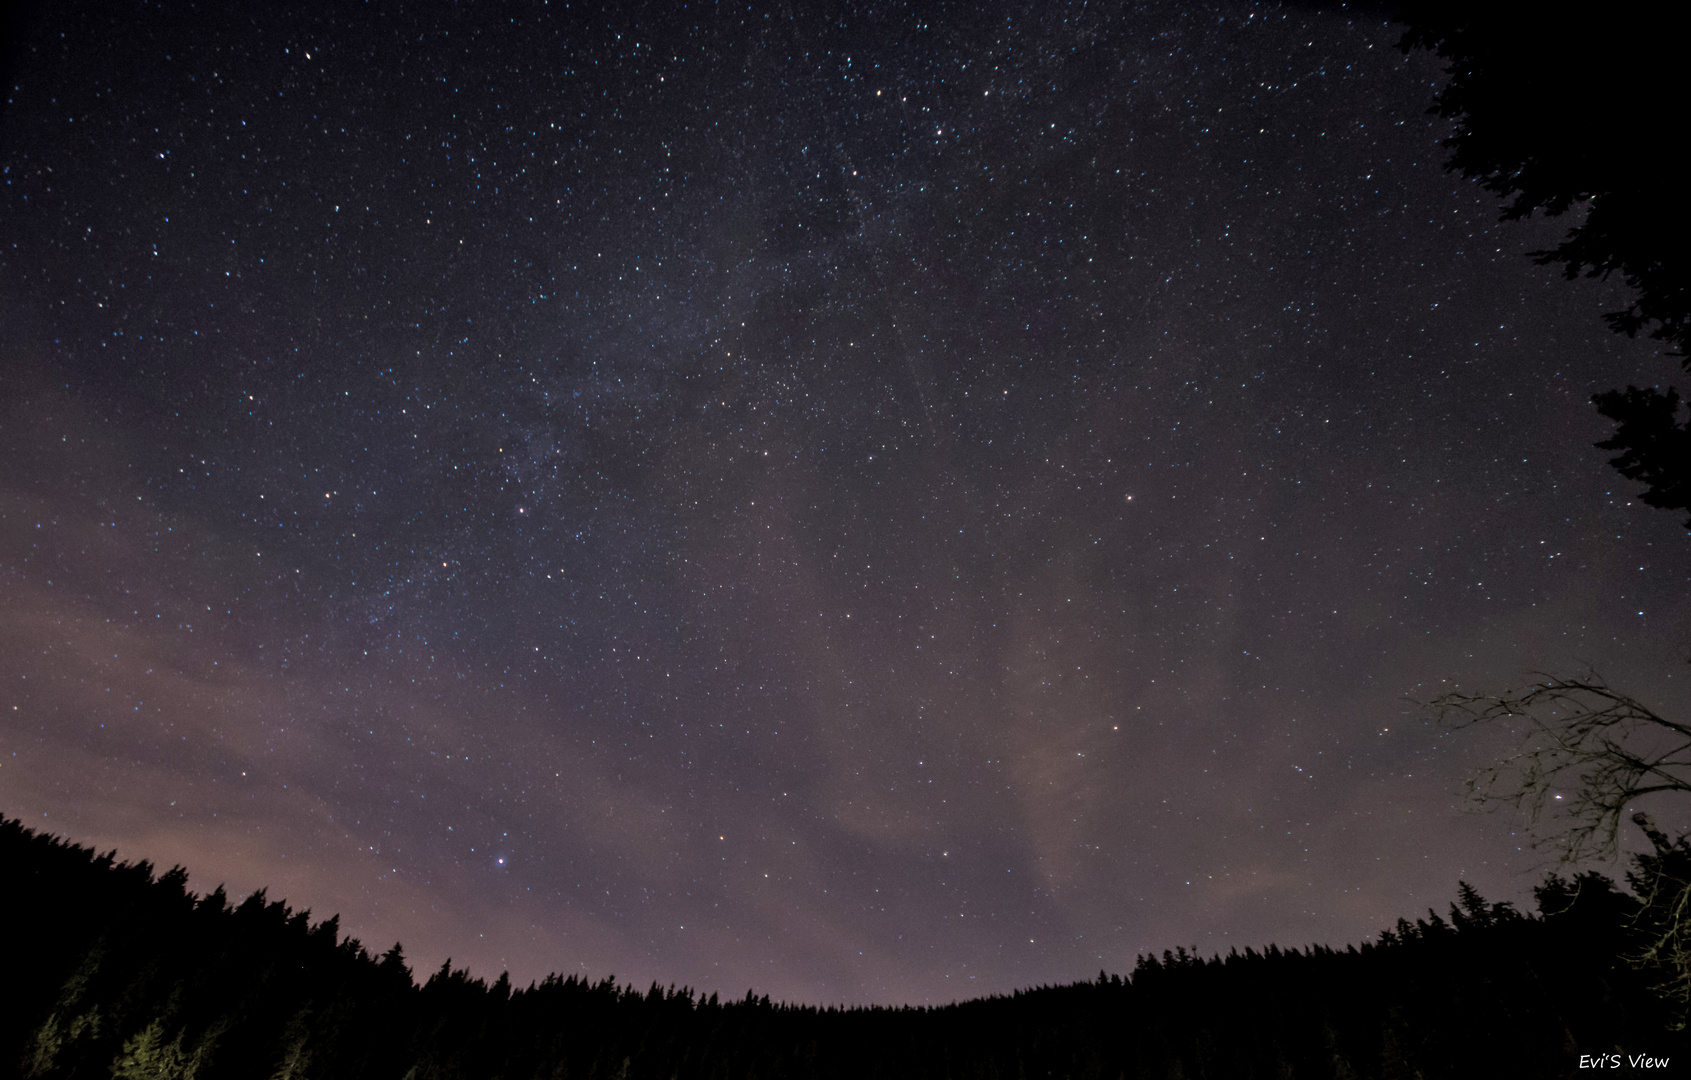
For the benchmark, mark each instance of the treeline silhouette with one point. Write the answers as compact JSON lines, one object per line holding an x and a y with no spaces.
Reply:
{"x":113,"y":971}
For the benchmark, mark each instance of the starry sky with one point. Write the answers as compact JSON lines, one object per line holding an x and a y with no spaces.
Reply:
{"x":868,"y":503}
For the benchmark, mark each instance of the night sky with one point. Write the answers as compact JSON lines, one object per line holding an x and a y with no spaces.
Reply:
{"x":878,"y":503}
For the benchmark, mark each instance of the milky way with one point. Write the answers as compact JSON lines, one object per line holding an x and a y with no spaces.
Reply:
{"x":876,"y":505}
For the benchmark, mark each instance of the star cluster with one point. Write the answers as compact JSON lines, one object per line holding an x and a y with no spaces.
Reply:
{"x":866,"y":503}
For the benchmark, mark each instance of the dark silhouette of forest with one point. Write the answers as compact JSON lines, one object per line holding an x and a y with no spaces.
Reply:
{"x":116,"y":971}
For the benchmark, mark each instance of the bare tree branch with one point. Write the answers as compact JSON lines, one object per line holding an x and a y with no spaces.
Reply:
{"x":1588,"y":751}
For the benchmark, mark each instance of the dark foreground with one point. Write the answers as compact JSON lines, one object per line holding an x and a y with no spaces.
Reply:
{"x":113,"y":972}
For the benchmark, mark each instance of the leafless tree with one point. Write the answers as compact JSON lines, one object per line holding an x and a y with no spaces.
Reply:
{"x":1587,"y":753}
